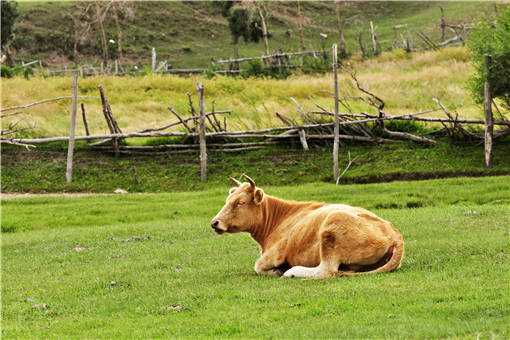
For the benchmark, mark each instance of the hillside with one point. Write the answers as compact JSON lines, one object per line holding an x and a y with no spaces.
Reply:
{"x":190,"y":33}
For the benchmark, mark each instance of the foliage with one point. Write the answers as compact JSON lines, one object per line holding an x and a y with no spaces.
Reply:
{"x":243,"y":22}
{"x":312,"y":64}
{"x":492,"y":39}
{"x":224,"y":6}
{"x":406,"y":126}
{"x":91,"y":265}
{"x":210,"y":72}
{"x":6,"y":71}
{"x":18,"y":70}
{"x":9,"y":15}
{"x":255,"y":68}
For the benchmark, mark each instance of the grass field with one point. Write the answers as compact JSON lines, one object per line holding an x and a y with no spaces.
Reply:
{"x":43,"y":170}
{"x":407,"y":83}
{"x":148,"y":265}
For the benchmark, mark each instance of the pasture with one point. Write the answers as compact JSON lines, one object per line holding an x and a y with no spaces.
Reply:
{"x":148,"y":265}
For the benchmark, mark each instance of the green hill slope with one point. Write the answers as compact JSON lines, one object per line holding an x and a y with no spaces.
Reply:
{"x":191,"y":33}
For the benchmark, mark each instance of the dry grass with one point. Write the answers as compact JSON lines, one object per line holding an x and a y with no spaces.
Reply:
{"x":406,"y":83}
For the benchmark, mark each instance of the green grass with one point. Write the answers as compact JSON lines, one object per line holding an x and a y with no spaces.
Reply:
{"x":43,"y":170}
{"x":149,"y":266}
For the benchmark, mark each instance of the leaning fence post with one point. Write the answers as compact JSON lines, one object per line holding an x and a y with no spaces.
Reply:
{"x":442,"y":24}
{"x":84,"y":117}
{"x":72,"y":128}
{"x":489,"y":119}
{"x":336,"y":141}
{"x":201,"y":133}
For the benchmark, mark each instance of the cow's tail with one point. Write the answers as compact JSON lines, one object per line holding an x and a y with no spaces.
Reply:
{"x":394,"y":262}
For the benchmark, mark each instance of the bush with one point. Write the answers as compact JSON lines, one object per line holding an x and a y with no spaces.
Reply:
{"x":406,"y":126}
{"x":9,"y":72}
{"x":255,"y":68}
{"x":6,"y":72}
{"x":493,"y":39}
{"x":210,"y":72}
{"x":315,"y":65}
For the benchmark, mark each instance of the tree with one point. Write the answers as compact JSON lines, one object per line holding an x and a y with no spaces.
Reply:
{"x":102,"y":9}
{"x":9,"y":15}
{"x":89,"y":20}
{"x":82,"y":25}
{"x":122,"y":11}
{"x":261,"y":9}
{"x":244,"y":22}
{"x":342,"y":46}
{"x":492,"y":38}
{"x":300,"y":27}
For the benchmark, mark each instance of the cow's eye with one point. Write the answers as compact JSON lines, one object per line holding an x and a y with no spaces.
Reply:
{"x":240,"y":203}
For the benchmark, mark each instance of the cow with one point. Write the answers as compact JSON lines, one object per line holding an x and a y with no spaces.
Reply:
{"x":310,"y":239}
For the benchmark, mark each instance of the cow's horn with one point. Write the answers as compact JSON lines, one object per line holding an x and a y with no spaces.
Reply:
{"x":252,"y":182}
{"x":236,"y":182}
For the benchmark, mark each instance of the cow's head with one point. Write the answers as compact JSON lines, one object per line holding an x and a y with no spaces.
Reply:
{"x":242,"y":210}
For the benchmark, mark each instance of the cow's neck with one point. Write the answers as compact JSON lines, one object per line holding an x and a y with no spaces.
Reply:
{"x":274,"y":212}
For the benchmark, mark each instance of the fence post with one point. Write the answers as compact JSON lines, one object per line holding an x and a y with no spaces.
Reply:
{"x":302,"y":138}
{"x":442,"y":24}
{"x":153,"y":64}
{"x":72,"y":128}
{"x":201,"y":133}
{"x":489,"y":119}
{"x":336,"y":141}
{"x":375,"y":42}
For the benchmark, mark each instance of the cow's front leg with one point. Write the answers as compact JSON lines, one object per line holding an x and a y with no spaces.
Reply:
{"x":270,"y":261}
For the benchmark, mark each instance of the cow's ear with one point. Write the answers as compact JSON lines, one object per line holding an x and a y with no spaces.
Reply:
{"x":231,"y":191}
{"x":258,"y":195}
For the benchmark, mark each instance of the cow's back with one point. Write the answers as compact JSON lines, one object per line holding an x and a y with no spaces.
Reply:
{"x":301,"y":231}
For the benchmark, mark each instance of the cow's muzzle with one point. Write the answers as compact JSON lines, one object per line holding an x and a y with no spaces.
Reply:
{"x":215,"y":224}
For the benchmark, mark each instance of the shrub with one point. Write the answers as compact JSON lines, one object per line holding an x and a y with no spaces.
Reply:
{"x":255,"y":68}
{"x":210,"y":72}
{"x":493,"y":39}
{"x":315,"y":65}
{"x":6,"y":72}
{"x":9,"y":72}
{"x":406,"y":126}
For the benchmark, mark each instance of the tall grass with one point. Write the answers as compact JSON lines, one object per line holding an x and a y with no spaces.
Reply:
{"x":406,"y":82}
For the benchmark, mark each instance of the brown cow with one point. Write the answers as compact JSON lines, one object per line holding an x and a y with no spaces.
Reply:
{"x":310,"y":239}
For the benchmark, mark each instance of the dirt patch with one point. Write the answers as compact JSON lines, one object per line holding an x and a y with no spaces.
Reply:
{"x":16,"y":195}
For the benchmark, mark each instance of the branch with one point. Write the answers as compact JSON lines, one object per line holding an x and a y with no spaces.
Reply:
{"x":26,"y":106}
{"x":347,"y":167}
